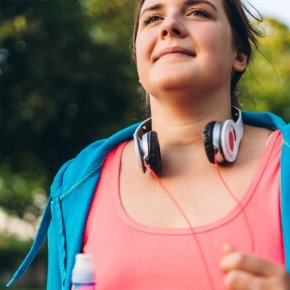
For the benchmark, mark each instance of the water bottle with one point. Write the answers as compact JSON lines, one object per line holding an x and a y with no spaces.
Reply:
{"x":83,"y":274}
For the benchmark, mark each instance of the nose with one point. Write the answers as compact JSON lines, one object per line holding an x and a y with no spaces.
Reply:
{"x":172,"y":27}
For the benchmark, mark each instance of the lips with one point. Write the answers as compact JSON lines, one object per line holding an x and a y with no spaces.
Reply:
{"x":172,"y":50}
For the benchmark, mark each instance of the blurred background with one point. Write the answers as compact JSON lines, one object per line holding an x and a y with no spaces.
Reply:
{"x":67,"y":79}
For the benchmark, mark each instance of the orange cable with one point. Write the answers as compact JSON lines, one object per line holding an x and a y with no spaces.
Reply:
{"x":238,"y":201}
{"x":186,"y":219}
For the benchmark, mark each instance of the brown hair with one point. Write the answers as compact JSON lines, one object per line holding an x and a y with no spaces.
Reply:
{"x":245,"y":34}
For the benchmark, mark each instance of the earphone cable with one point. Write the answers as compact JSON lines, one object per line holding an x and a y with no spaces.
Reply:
{"x":175,"y":202}
{"x":187,"y":221}
{"x":238,"y":202}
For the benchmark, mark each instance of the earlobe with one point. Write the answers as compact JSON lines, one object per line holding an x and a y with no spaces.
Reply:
{"x":240,"y":62}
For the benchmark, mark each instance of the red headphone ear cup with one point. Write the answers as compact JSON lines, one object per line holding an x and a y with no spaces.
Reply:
{"x":229,"y":141}
{"x":208,"y":141}
{"x":154,"y":154}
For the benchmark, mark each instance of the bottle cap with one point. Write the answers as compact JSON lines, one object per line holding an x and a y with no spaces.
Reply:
{"x":83,"y":271}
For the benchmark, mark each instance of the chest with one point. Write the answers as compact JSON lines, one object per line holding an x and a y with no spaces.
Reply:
{"x":203,"y":197}
{"x":136,"y":254}
{"x":202,"y":193}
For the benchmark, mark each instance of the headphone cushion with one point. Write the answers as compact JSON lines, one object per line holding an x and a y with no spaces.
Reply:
{"x":154,"y":153}
{"x":229,"y":142}
{"x":208,"y":141}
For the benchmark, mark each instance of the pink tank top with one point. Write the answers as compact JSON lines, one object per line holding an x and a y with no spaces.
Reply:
{"x":131,"y":256}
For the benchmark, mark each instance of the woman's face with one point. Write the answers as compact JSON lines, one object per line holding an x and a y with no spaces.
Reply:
{"x":185,"y":45}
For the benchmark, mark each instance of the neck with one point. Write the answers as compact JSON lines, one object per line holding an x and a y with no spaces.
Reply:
{"x":183,"y":125}
{"x":180,"y":128}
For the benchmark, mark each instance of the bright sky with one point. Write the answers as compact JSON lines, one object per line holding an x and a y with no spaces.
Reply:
{"x":274,"y":8}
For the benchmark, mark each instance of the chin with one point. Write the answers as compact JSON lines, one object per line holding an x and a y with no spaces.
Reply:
{"x":169,"y":77}
{"x":172,"y":82}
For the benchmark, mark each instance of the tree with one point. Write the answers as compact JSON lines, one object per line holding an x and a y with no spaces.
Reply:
{"x":66,"y":80}
{"x":268,"y":77}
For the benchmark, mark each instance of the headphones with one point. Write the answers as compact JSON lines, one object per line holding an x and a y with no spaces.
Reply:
{"x":221,"y":139}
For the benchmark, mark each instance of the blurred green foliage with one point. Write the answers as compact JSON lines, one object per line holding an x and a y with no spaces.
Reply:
{"x":12,"y":251}
{"x":268,"y":78}
{"x":66,"y":79}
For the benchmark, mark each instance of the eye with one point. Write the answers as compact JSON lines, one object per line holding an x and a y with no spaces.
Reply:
{"x":151,"y":19}
{"x":199,"y":12}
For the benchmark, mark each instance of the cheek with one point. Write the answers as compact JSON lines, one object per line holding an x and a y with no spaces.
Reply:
{"x":217,"y":40}
{"x":139,"y":51}
{"x":139,"y":58}
{"x":144,"y":49}
{"x":143,"y":43}
{"x":218,"y":45}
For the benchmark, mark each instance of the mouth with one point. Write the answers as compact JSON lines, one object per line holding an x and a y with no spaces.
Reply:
{"x":174,"y":50}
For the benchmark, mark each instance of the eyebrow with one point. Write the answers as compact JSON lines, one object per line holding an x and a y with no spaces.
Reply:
{"x":158,"y":6}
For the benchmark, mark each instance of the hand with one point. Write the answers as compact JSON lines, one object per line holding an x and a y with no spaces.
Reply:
{"x":248,"y":272}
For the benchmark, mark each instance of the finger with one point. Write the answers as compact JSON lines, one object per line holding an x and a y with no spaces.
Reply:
{"x":239,"y":280}
{"x":228,"y":248}
{"x":251,"y":264}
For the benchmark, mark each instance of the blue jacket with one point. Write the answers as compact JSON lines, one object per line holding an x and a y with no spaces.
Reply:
{"x":66,"y":212}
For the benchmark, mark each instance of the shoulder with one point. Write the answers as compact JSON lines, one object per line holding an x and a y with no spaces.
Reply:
{"x":268,"y":121}
{"x":253,"y":142}
{"x":88,"y":161}
{"x":68,"y":172}
{"x":265,"y":120}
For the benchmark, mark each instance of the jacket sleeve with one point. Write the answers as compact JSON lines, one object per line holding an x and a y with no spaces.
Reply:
{"x":37,"y":243}
{"x":56,"y":255}
{"x":53,"y":270}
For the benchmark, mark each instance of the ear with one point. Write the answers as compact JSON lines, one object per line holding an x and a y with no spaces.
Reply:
{"x":240,"y":61}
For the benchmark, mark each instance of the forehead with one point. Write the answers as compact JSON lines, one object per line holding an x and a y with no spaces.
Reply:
{"x":149,"y":3}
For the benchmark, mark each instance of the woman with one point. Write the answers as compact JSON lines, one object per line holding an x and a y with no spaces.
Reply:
{"x":186,"y":223}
